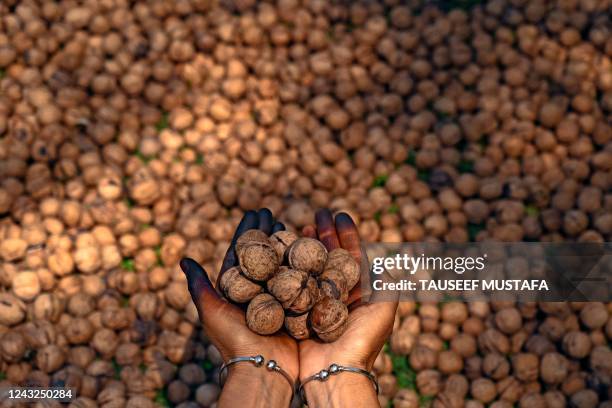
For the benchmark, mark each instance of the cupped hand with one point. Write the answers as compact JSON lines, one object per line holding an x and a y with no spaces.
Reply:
{"x":224,"y":322}
{"x":369,"y":323}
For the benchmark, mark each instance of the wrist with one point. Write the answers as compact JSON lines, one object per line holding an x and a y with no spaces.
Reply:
{"x":340,"y":390}
{"x":250,"y":386}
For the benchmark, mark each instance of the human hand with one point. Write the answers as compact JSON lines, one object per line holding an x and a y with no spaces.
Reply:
{"x":225,"y":326}
{"x":369,"y":326}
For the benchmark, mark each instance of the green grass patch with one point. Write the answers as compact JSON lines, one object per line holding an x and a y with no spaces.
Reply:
{"x":117,"y":369}
{"x":125,"y":302}
{"x":393,"y":209}
{"x":465,"y":166}
{"x":423,"y":175}
{"x":142,"y":367}
{"x":163,"y":122}
{"x":161,"y":398}
{"x":129,"y":202}
{"x":377,"y":216}
{"x":157,"y":250}
{"x":532,"y":210}
{"x":128,"y":264}
{"x":474,"y":229}
{"x":2,"y":375}
{"x":425,"y":401}
{"x":406,"y":376}
{"x":2,"y":73}
{"x":411,"y":159}
{"x":143,"y":158}
{"x":380,"y":180}
{"x":207,"y":365}
{"x":199,"y":159}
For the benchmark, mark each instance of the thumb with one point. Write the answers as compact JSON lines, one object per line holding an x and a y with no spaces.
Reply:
{"x":201,"y":289}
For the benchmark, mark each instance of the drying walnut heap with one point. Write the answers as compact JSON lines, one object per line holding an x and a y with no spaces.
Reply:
{"x":291,"y":281}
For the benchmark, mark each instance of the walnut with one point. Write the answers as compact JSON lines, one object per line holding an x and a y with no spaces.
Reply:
{"x":12,"y":346}
{"x":423,"y":358}
{"x":281,"y":240}
{"x":307,"y":254}
{"x":553,"y":368}
{"x":207,"y":394}
{"x":12,"y":310}
{"x":483,"y":390}
{"x":50,"y":358}
{"x":429,"y":382}
{"x":296,"y":290}
{"x":251,"y":236}
{"x":329,"y":319}
{"x":508,"y":320}
{"x":297,"y":326}
{"x":237,"y":287}
{"x":26,"y":285}
{"x":332,"y":283}
{"x":340,"y":259}
{"x":577,"y":344}
{"x":495,"y":366}
{"x":526,"y":366}
{"x":406,"y":398}
{"x":257,"y":258}
{"x":265,"y":314}
{"x":449,"y":362}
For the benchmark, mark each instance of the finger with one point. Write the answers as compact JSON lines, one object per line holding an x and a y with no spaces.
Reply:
{"x":202,"y":292}
{"x":278,"y":226}
{"x":265,"y":220}
{"x":362,"y":291}
{"x":326,"y":230}
{"x":309,"y":231}
{"x":250,"y":220}
{"x":355,"y":297}
{"x":348,"y":235}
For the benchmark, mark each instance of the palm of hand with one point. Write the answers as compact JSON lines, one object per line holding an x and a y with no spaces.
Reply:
{"x":369,"y":325}
{"x":224,"y":322}
{"x":365,"y":333}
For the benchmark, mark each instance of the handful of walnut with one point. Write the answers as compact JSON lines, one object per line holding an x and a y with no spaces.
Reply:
{"x":291,"y":281}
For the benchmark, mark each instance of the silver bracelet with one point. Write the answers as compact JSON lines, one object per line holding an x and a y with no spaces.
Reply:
{"x":334,"y":369}
{"x":258,"y":361}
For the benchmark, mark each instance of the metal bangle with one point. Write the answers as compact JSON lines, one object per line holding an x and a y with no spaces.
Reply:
{"x":258,"y":361}
{"x":334,"y":369}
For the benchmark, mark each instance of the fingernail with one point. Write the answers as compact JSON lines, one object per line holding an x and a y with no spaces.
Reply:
{"x":188,"y":267}
{"x":344,"y":220}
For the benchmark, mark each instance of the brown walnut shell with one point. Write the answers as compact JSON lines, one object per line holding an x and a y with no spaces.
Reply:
{"x":281,"y":240}
{"x":342,"y":260}
{"x":296,"y":290}
{"x":265,"y":314}
{"x":238,"y":288}
{"x":333,"y":283}
{"x":297,"y":326}
{"x":329,"y":319}
{"x":251,"y":236}
{"x":307,"y":254}
{"x":258,"y":261}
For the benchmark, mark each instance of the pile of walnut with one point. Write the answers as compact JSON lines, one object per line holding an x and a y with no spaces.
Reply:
{"x":293,"y":282}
